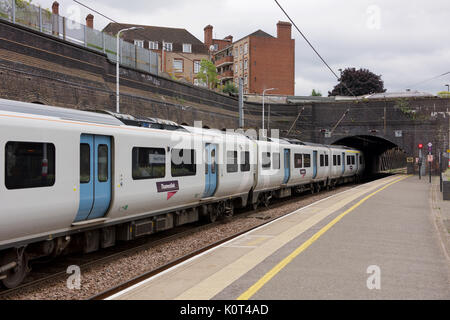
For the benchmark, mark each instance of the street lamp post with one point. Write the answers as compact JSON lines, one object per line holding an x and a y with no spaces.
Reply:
{"x":118,"y":66}
{"x":268,"y":124}
{"x":448,"y":87}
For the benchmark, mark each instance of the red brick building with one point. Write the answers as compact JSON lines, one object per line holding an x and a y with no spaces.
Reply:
{"x":263,"y":61}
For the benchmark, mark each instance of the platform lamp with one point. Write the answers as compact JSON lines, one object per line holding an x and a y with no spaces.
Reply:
{"x":118,"y":66}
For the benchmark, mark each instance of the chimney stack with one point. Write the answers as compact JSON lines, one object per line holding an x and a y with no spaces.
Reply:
{"x":284,"y":30}
{"x":90,"y":21}
{"x":208,"y":35}
{"x":229,"y":38}
{"x":55,"y":8}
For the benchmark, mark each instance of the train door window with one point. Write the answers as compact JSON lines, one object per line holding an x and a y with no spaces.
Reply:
{"x":298,"y":160}
{"x":334,"y":160}
{"x":103,"y":163}
{"x":276,"y":161}
{"x":348,"y":160}
{"x":183,"y":163}
{"x":213,"y":161}
{"x":149,"y":163}
{"x":338,"y":157}
{"x":245,"y":161}
{"x":266,"y":160}
{"x":85,"y":163}
{"x":326,"y":160}
{"x":232,"y":161}
{"x":322,"y":160}
{"x":29,"y":165}
{"x":353,"y":160}
{"x":307,"y":160}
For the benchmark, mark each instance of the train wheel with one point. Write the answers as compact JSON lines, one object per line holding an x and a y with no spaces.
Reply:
{"x":15,"y":276}
{"x":229,"y":209}
{"x":213,"y":213}
{"x":266,"y":199}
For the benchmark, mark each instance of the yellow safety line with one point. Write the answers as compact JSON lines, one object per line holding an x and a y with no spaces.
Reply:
{"x":269,"y":275}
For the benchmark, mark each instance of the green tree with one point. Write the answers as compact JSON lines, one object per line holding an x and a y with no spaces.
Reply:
{"x":315,"y":93}
{"x":230,"y":88}
{"x":208,"y":73}
{"x":357,"y":82}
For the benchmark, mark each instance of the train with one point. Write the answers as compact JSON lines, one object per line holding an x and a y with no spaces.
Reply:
{"x":84,"y":180}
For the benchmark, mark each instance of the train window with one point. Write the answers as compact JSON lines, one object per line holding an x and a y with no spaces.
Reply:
{"x":353,"y":160}
{"x":298,"y":160}
{"x":213,"y":161}
{"x":322,"y":160}
{"x":245,"y":161}
{"x":85,"y":163}
{"x":334,"y":160}
{"x":183,"y":163}
{"x":149,"y":163}
{"x":276,"y":161}
{"x":103,"y":163}
{"x":266,"y":160}
{"x":338,"y":160}
{"x":29,"y":165}
{"x":326,"y":161}
{"x":307,"y":160}
{"x":232,"y":162}
{"x":348,"y":160}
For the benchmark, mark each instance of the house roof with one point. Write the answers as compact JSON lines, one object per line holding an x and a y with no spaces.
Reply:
{"x":177,"y":36}
{"x":257,"y":33}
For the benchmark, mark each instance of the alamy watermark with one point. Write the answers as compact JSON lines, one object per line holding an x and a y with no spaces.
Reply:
{"x":374,"y":280}
{"x":74,"y":280}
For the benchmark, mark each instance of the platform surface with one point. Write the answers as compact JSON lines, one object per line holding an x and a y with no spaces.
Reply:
{"x":374,"y":241}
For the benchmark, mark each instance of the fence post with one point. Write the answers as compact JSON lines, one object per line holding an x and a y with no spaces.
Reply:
{"x":103,"y":42}
{"x":64,"y":27}
{"x":13,"y":11}
{"x":40,"y":19}
{"x":85,"y":35}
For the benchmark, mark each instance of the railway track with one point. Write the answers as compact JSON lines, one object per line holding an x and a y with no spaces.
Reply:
{"x":49,"y":271}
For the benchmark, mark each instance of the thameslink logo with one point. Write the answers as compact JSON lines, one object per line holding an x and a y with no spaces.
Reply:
{"x":167,"y":186}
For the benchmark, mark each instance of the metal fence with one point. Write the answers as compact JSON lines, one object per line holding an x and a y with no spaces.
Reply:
{"x":25,"y":14}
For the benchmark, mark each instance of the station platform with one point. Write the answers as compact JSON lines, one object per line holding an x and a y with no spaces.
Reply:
{"x":379,"y":240}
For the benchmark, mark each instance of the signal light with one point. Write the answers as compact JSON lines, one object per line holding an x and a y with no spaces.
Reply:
{"x":420,"y":146}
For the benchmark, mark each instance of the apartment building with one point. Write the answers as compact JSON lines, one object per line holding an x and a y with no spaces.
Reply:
{"x":262,"y":60}
{"x":179,"y":52}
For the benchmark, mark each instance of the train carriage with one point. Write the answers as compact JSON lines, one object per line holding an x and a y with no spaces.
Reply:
{"x":83,"y":180}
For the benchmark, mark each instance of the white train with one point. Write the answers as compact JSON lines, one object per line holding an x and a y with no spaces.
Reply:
{"x":75,"y":179}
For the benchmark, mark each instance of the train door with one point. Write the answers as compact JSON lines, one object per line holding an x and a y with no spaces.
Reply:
{"x":95,"y":177}
{"x":357,"y":162}
{"x":287,"y":165}
{"x":343,"y":162}
{"x":314,"y":164}
{"x":210,"y":170}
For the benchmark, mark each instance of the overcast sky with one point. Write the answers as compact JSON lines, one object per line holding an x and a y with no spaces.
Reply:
{"x":406,"y":42}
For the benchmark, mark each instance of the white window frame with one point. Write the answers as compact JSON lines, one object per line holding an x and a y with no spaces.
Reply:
{"x":168,"y":46}
{"x":153,"y":45}
{"x":182,"y":65}
{"x":139,"y":43}
{"x":246,"y":48}
{"x":187,"y":48}
{"x":197,"y":66}
{"x":245,"y":64}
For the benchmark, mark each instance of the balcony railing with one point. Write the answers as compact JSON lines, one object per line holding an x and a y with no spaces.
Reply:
{"x":225,"y":75}
{"x":224,"y":61}
{"x":22,"y":13}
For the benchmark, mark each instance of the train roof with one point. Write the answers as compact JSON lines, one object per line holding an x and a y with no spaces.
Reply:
{"x":62,"y":113}
{"x":99,"y":117}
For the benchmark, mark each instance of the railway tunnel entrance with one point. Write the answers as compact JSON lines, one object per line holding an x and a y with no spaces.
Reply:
{"x":381,"y":155}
